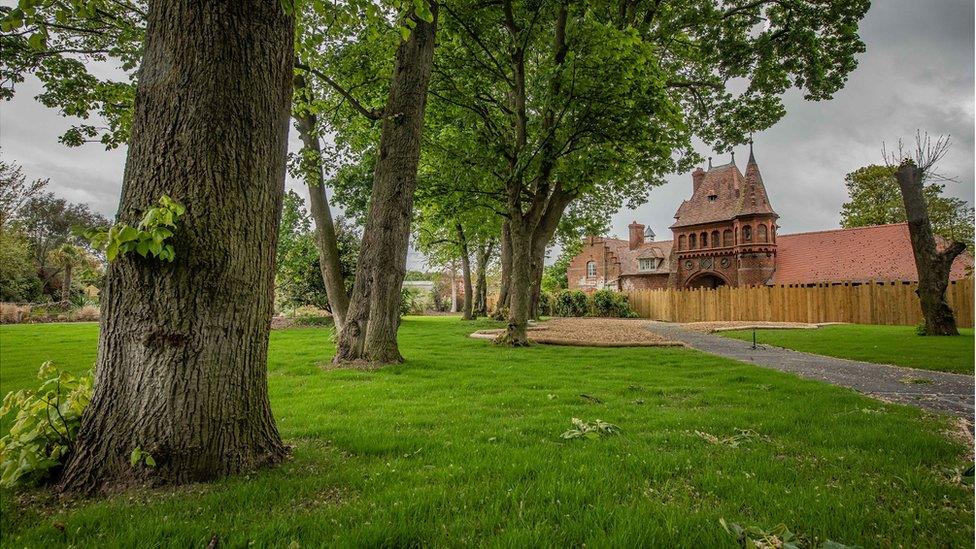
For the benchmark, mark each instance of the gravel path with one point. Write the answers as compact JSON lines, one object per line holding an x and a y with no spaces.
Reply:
{"x":937,"y":391}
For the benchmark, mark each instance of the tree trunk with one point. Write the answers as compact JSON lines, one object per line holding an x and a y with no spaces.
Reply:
{"x":373,"y":318}
{"x":66,"y":284}
{"x":481,"y":281}
{"x":506,"y":261}
{"x":325,"y":232}
{"x":468,"y":306}
{"x":454,"y":300}
{"x":519,"y":286}
{"x":933,"y":266}
{"x":181,"y":372}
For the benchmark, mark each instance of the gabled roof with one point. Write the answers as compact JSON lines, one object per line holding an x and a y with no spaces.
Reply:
{"x":863,"y":254}
{"x":648,"y":250}
{"x":725,"y":194}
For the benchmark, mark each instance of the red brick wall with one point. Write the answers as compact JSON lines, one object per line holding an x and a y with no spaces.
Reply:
{"x":607,"y":266}
{"x":644,"y":282}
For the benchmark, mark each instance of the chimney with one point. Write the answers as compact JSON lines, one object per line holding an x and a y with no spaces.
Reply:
{"x":697,"y":177}
{"x":636,"y":235}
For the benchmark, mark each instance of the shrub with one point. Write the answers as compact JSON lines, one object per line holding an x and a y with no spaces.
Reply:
{"x":45,"y":424}
{"x":546,"y":302}
{"x":571,"y":303}
{"x":11,"y":313}
{"x":86,"y":313}
{"x":608,"y":303}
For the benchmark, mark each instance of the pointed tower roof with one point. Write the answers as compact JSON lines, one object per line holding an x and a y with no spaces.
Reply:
{"x":724,"y":194}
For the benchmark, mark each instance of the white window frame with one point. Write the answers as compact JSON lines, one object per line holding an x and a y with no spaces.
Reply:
{"x":651,"y":261}
{"x":591,"y":269}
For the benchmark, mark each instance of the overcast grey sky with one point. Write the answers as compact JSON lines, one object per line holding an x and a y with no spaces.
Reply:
{"x":917,"y":72}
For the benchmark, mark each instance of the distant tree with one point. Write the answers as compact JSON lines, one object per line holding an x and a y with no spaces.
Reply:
{"x":298,"y":277}
{"x":18,"y":273}
{"x":914,"y":168}
{"x":50,"y":221}
{"x":68,"y":259}
{"x":15,"y":191}
{"x":875,"y":199}
{"x":554,"y":277}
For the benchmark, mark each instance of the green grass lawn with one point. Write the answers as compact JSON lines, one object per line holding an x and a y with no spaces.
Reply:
{"x":898,"y":345}
{"x":461,"y":446}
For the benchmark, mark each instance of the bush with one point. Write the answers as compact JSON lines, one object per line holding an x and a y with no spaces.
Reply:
{"x":546,"y":302}
{"x":87,"y":313}
{"x":571,"y":303}
{"x":45,"y":424}
{"x":608,"y":303}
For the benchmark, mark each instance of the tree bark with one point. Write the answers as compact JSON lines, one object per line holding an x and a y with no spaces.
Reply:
{"x":933,"y":266}
{"x":485,"y":251}
{"x":468,"y":304}
{"x":506,"y":261}
{"x":181,"y":372}
{"x":66,"y":284}
{"x":373,"y":318}
{"x":325,"y":233}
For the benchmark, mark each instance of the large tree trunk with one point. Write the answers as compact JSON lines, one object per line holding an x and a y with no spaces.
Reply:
{"x":530,"y":234}
{"x":325,"y":232}
{"x":933,"y":266}
{"x":519,"y":286}
{"x":468,"y":306}
{"x":181,"y":372}
{"x":373,"y":318}
{"x":506,"y":261}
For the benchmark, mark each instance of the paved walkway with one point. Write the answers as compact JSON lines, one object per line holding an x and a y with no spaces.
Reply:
{"x":948,"y":393}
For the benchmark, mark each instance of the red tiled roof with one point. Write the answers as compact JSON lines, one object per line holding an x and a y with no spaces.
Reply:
{"x":628,"y":258}
{"x":734,"y":195}
{"x":876,"y":253}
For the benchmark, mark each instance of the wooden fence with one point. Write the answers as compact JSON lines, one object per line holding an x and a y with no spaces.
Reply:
{"x":874,"y":303}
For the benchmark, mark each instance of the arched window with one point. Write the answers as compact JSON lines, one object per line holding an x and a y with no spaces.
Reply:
{"x":762,"y":234}
{"x":715,"y":241}
{"x":704,"y":240}
{"x":691,"y":241}
{"x":747,"y":233}
{"x":727,"y":238}
{"x":591,"y":269}
{"x":772,"y":232}
{"x":682,"y":242}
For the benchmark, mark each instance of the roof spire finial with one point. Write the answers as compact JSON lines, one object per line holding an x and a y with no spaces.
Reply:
{"x":709,"y":162}
{"x":752,"y":157}
{"x":733,"y":157}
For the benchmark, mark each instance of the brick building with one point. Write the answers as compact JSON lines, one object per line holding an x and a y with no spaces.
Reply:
{"x":726,"y":234}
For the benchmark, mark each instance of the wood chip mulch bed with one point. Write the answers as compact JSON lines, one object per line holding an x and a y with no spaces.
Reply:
{"x":591,"y":332}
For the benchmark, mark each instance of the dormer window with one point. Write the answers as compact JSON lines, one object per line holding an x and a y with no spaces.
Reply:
{"x":647,"y":264}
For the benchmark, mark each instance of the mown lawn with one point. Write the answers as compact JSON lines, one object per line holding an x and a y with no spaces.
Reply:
{"x":461,"y":445}
{"x":898,"y":345}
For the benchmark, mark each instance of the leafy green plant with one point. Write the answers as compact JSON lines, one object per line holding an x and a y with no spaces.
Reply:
{"x":741,"y":436}
{"x":148,"y":238}
{"x":45,"y":425}
{"x":608,"y":303}
{"x":777,"y":537}
{"x":596,"y":429}
{"x":571,"y":303}
{"x":138,"y":456}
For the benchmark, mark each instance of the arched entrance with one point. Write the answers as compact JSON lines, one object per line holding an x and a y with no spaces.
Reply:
{"x":706,"y":280}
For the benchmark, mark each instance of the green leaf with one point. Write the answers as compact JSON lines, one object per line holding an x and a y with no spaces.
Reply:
{"x":150,"y":462}
{"x":135,"y":456}
{"x":37,"y":41}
